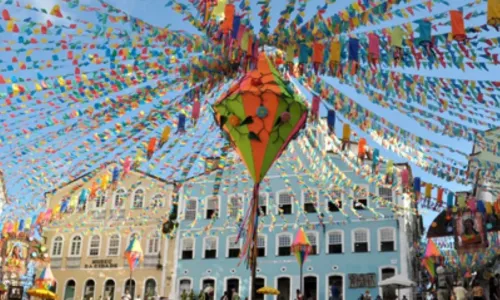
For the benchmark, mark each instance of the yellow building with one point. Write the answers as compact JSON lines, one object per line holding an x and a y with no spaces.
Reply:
{"x":87,"y":240}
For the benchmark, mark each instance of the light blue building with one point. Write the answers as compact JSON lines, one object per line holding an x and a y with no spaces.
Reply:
{"x":358,"y":243}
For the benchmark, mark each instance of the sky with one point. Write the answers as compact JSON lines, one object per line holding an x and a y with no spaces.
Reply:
{"x":155,"y":13}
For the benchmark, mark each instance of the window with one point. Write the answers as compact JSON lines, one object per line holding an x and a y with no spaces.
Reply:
{"x":235,"y":203}
{"x":100,"y":200}
{"x":210,"y":245}
{"x":120,"y":198}
{"x":154,"y":243}
{"x":263,"y":204}
{"x":157,"y":201}
{"x":335,"y":242}
{"x":114,"y":245}
{"x":212,"y":207}
{"x":95,"y":245}
{"x":361,"y":200}
{"x":191,"y":207}
{"x":310,"y":201}
{"x":386,"y":236}
{"x":385,"y":194}
{"x":285,"y":203}
{"x":361,"y":240}
{"x":76,"y":246}
{"x":187,"y":248}
{"x":284,"y":244}
{"x":335,"y":201}
{"x":261,"y":246}
{"x":233,"y":248}
{"x":313,"y":240}
{"x":57,"y":246}
{"x":138,"y":199}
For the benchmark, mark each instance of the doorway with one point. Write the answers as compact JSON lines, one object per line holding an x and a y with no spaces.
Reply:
{"x":208,"y":284}
{"x":284,"y":286}
{"x":260,"y":283}
{"x":388,"y":293}
{"x":69,"y":291}
{"x":310,"y":288}
{"x":109,"y":289}
{"x":130,"y":287}
{"x":336,"y":286}
{"x":233,"y":283}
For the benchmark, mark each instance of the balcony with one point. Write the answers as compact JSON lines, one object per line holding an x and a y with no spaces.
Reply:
{"x":56,"y":263}
{"x":118,"y":213}
{"x":99,"y":215}
{"x":152,"y":261}
{"x":73,"y":262}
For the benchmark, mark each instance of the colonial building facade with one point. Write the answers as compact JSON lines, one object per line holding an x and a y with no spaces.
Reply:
{"x":87,"y":239}
{"x":357,"y":241}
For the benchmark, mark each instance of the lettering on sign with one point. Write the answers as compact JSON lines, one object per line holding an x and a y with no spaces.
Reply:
{"x":362,"y":280}
{"x":101,"y":264}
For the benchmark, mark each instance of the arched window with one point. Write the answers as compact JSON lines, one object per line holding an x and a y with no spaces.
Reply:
{"x":95,"y":245}
{"x":109,"y":289}
{"x":76,"y":246}
{"x":57,"y":245}
{"x":187,"y":251}
{"x":154,"y":243}
{"x":119,"y":198}
{"x":114,"y":245}
{"x":387,"y":238}
{"x":149,"y":289}
{"x":191,"y":208}
{"x":335,"y":242}
{"x":89,"y":290}
{"x":157,"y":201}
{"x":100,"y":200}
{"x":361,"y":240}
{"x":69,"y":290}
{"x":138,"y":201}
{"x":284,"y":244}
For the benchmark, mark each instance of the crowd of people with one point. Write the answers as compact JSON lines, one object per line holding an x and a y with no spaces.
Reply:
{"x":450,"y":289}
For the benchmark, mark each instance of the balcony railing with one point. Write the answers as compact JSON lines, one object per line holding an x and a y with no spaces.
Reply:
{"x":73,"y":262}
{"x":151,"y":261}
{"x":118,"y":214}
{"x":56,"y":263}
{"x":99,"y":214}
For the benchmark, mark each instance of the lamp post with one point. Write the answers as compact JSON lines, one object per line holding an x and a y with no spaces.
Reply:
{"x":301,"y":247}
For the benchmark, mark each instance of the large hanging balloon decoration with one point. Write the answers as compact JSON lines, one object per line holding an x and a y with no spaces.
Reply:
{"x":261,"y":115}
